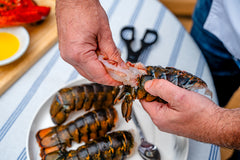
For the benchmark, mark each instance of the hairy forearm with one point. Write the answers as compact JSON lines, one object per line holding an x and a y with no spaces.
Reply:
{"x":220,"y":127}
{"x":229,"y":128}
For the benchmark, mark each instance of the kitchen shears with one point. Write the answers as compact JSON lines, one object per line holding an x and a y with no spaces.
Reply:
{"x":149,"y":38}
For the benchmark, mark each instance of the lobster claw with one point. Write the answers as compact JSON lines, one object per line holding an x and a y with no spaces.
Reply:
{"x":120,"y":95}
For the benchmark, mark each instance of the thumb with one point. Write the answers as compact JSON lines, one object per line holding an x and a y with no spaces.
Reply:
{"x":167,"y":91}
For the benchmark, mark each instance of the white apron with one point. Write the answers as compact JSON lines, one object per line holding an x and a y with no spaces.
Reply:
{"x":224,"y":22}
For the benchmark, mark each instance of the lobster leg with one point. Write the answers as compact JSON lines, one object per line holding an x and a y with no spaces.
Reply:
{"x":127,"y":106}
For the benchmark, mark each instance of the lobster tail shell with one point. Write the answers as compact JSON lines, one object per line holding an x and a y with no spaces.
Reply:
{"x":89,"y":126}
{"x":115,"y":145}
{"x":85,"y":97}
{"x":178,"y":77}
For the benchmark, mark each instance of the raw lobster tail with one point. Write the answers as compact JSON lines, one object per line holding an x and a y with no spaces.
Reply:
{"x":180,"y":78}
{"x":115,"y":145}
{"x":89,"y":126}
{"x":76,"y":98}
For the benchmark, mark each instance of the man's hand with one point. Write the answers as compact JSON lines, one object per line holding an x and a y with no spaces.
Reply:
{"x":187,"y":113}
{"x":83,"y":29}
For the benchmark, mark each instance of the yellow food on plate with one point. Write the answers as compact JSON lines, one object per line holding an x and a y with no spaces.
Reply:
{"x":9,"y":45}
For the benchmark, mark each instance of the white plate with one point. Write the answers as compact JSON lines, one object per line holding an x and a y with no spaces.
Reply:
{"x":170,"y":146}
{"x":22,"y":35}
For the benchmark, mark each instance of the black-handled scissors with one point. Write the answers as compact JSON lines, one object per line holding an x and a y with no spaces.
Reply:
{"x":149,"y":38}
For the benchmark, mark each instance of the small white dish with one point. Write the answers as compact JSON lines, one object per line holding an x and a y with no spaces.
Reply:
{"x":23,"y":36}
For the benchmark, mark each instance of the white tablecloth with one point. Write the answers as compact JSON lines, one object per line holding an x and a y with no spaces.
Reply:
{"x":20,"y":103}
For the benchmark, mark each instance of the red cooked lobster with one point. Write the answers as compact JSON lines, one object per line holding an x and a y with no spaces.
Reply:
{"x":19,"y":12}
{"x":113,"y":146}
{"x":89,"y":126}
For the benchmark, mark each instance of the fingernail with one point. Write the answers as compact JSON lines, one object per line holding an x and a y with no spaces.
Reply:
{"x":148,"y":85}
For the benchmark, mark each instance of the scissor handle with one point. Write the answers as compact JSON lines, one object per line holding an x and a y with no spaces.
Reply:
{"x":150,"y":37}
{"x":127,"y":33}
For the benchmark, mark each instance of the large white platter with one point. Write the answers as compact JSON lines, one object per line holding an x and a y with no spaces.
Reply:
{"x":171,"y":147}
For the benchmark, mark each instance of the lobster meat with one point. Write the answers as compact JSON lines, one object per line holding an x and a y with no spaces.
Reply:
{"x":116,"y":145}
{"x":19,"y":12}
{"x":89,"y":126}
{"x":134,"y":77}
{"x":127,"y":73}
{"x":75,"y":98}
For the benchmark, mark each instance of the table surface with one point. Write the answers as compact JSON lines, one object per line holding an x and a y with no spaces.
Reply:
{"x":21,"y":102}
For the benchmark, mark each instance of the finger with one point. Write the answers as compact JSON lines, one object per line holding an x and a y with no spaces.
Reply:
{"x":154,"y":109}
{"x":105,"y":80}
{"x":94,"y":71}
{"x":107,"y":45}
{"x":84,"y":58}
{"x":171,"y":93}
